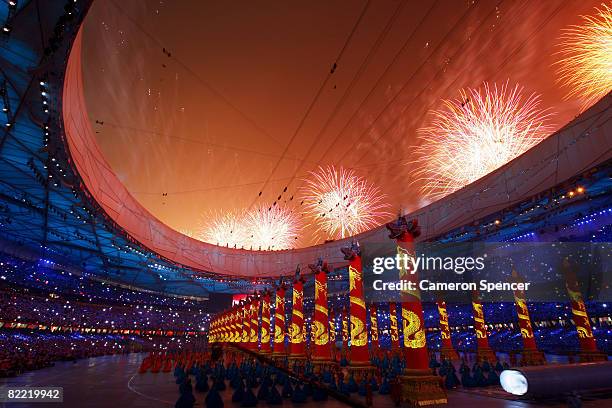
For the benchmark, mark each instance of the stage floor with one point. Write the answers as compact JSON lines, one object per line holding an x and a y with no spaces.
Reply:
{"x":112,"y":381}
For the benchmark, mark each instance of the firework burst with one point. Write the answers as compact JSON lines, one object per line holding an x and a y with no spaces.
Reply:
{"x":272,"y":228}
{"x":342,"y":203}
{"x":224,"y":229}
{"x":585,"y":66}
{"x":476,"y":134}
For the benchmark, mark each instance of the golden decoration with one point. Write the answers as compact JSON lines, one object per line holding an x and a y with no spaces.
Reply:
{"x":404,"y":273}
{"x":295,"y":333}
{"x":374,"y":326}
{"x":359,"y":336}
{"x":394,"y":332}
{"x":583,"y":332}
{"x":480,"y":334}
{"x":523,"y":306}
{"x":358,"y":301}
{"x":580,"y":313}
{"x":412,"y":327}
{"x":354,"y":278}
{"x":279,"y":337}
{"x":265,"y":335}
{"x":320,"y":289}
{"x":443,"y":314}
{"x":345,"y":331}
{"x":321,"y":309}
{"x":319,"y":333}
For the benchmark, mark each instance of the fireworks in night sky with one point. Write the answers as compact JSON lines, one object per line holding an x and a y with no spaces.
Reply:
{"x":263,"y":228}
{"x":224,"y":229}
{"x":585,"y":67}
{"x":475,"y":134}
{"x":342,"y":203}
{"x":272,"y":228}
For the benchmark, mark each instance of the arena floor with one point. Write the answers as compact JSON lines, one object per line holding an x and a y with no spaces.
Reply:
{"x":112,"y":381}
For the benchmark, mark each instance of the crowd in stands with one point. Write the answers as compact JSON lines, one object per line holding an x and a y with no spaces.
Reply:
{"x":46,"y":277}
{"x":18,"y":305}
{"x":70,"y":306}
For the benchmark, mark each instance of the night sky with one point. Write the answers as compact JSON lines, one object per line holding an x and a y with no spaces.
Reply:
{"x":195,"y":103}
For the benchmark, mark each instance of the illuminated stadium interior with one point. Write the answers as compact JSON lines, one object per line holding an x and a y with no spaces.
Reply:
{"x":170,"y":174}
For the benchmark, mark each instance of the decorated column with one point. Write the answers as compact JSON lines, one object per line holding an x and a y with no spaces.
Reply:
{"x":212,"y":336}
{"x":265,"y":324}
{"x":246,"y":324}
{"x":254,"y":333}
{"x":224,"y":328}
{"x":319,"y":342}
{"x":393,"y":328}
{"x":415,"y":349}
{"x":530,"y":354}
{"x":374,"y":328}
{"x":588,"y":347}
{"x":447,"y":351}
{"x":332,"y":334}
{"x":419,"y":387}
{"x":237,"y":326}
{"x":345,"y":333}
{"x":484,"y":351}
{"x":296,"y":336}
{"x":218,"y":329}
{"x":212,"y":331}
{"x":359,"y":356}
{"x":279,"y":323}
{"x":229,"y":325}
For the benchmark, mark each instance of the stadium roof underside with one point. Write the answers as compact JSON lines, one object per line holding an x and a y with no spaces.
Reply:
{"x":60,"y":201}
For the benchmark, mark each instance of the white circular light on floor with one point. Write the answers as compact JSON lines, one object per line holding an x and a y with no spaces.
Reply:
{"x":514,"y":382}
